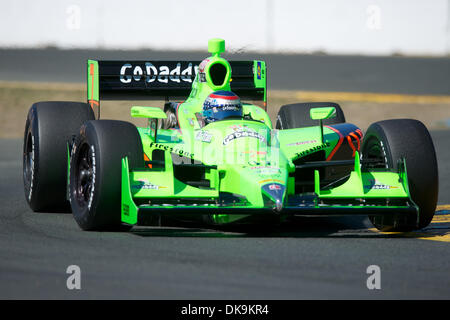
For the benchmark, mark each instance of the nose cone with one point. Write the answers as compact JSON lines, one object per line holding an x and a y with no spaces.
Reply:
{"x":275,"y":192}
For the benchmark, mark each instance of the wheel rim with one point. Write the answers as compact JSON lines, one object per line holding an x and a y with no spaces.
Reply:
{"x":374,"y":150}
{"x":84,"y":176}
{"x":28,"y":160}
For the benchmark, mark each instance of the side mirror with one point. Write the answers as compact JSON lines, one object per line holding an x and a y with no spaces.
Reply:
{"x":153,"y":114}
{"x":322,"y":113}
{"x":148,"y":112}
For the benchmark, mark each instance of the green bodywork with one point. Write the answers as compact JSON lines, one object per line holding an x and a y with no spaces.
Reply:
{"x":247,"y":167}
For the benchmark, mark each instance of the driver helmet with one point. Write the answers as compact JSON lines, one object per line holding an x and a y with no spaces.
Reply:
{"x":220,"y":105}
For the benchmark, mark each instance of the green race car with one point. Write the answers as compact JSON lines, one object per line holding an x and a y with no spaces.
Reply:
{"x":113,"y":175}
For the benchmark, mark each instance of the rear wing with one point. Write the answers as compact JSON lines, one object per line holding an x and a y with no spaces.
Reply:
{"x":165,"y":80}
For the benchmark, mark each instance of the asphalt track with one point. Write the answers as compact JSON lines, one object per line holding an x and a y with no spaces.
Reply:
{"x":317,"y":258}
{"x":404,"y":75}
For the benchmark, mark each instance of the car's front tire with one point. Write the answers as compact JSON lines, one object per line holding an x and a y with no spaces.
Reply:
{"x":95,"y":172}
{"x":392,"y":140}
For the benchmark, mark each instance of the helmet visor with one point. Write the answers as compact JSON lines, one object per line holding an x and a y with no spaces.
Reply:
{"x":217,"y":113}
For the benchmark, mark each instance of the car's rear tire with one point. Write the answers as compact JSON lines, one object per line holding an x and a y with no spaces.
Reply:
{"x":297,"y":115}
{"x":95,"y":172}
{"x":48,"y":129}
{"x":392,"y":140}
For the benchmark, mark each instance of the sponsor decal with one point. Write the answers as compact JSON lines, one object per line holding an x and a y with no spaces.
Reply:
{"x":271,"y":180}
{"x":253,"y":153}
{"x":375,"y":184}
{"x":144,"y":184}
{"x":230,"y":107}
{"x":91,"y":195}
{"x":299,"y":143}
{"x":258,"y":70}
{"x":274,"y":187}
{"x":150,"y":73}
{"x":275,"y":191}
{"x":265,"y":163}
{"x":242,"y":132}
{"x":203,"y":136}
{"x":201,"y":70}
{"x":266,"y":171}
{"x":32,"y":169}
{"x":313,"y":149}
{"x":203,"y":64}
{"x":126,"y":209}
{"x":178,"y":151}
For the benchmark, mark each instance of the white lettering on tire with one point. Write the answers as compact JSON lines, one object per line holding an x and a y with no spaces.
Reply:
{"x":91,"y":195}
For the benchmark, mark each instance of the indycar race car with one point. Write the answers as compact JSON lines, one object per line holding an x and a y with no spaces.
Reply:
{"x":113,"y":175}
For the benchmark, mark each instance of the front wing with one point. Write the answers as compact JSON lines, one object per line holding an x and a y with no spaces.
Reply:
{"x":364,"y":193}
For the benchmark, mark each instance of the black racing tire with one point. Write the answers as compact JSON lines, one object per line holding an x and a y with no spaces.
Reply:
{"x":48,"y":129}
{"x":96,"y":169}
{"x":297,"y":115}
{"x":392,"y":140}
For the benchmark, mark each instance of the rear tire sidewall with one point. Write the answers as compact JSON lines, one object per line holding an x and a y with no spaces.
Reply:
{"x":48,"y":129}
{"x":297,"y":115}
